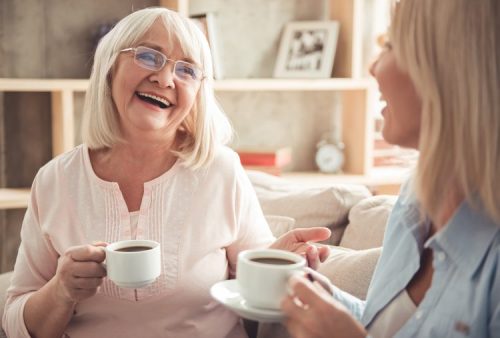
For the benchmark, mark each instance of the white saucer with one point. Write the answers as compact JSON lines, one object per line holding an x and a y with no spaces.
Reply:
{"x":227,"y":293}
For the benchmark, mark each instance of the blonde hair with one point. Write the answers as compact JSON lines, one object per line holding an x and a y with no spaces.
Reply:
{"x":450,"y":49}
{"x":206,"y":126}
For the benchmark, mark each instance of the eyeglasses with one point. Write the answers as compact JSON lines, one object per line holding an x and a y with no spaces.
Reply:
{"x":152,"y":59}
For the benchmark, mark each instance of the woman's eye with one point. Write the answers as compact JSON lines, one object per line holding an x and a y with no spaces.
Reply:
{"x":186,"y":70}
{"x":148,"y":57}
{"x":387,"y":45}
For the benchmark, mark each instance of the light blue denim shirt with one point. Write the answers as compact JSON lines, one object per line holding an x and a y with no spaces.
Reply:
{"x":464,"y":297}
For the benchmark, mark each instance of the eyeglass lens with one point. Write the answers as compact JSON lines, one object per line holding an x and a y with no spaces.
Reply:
{"x":153,"y":60}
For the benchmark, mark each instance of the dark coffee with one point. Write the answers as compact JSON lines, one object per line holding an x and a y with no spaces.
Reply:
{"x":274,"y":261}
{"x":134,"y":248}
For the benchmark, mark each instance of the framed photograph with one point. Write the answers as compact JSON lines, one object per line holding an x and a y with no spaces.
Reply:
{"x":206,"y":23}
{"x":307,"y":49}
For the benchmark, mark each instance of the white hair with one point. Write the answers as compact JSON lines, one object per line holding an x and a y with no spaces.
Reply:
{"x":203,"y":130}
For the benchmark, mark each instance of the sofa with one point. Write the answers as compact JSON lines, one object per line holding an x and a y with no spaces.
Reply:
{"x":356,"y":218}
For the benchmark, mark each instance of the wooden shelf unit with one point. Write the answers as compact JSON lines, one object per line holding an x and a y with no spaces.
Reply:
{"x":380,"y":180}
{"x":62,"y":96}
{"x":14,"y":198}
{"x":63,"y":135}
{"x":355,"y":91}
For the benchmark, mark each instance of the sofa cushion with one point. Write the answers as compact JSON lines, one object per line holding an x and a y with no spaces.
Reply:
{"x":351,"y":270}
{"x":367,"y":221}
{"x":280,"y":225}
{"x":310,"y":207}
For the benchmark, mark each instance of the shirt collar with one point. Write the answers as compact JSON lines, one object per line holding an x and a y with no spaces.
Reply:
{"x":467,"y":237}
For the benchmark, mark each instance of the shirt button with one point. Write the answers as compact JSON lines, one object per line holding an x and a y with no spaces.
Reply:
{"x":419,"y":314}
{"x":441,"y":256}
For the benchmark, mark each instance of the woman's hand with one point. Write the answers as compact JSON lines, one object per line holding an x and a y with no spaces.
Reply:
{"x":297,"y":241}
{"x":313,"y":313}
{"x":80,"y":272}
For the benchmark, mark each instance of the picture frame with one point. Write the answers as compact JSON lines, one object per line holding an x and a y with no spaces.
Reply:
{"x":307,"y":49}
{"x":206,"y":23}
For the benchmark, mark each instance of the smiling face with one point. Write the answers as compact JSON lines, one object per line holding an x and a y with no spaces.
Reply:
{"x":152,"y":103}
{"x":403,"y":111}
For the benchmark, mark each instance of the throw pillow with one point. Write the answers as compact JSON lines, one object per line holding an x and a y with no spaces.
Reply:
{"x":367,"y":221}
{"x":310,"y":207}
{"x":351,"y":270}
{"x":280,"y":225}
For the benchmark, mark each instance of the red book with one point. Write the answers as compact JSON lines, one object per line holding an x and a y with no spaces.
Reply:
{"x":271,"y":158}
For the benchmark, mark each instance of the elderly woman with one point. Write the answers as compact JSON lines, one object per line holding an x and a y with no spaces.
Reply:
{"x":439,"y":273}
{"x":153,"y":166}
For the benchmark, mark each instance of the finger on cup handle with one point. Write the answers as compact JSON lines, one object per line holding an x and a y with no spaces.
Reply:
{"x":103,"y":245}
{"x":312,"y":256}
{"x":324,"y":252}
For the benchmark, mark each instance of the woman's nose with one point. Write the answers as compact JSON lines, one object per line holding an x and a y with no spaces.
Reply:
{"x":373,"y":66}
{"x":165,"y":76}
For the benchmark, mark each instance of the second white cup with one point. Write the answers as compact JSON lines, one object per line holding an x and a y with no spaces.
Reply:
{"x":262,"y":275}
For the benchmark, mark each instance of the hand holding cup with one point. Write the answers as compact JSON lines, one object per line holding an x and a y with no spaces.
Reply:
{"x":79,"y":272}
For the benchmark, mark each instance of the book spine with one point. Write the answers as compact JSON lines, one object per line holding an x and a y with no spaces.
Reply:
{"x":279,"y":159}
{"x":258,"y":159}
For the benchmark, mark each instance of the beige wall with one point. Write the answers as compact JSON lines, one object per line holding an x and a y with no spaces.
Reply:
{"x":248,"y":35}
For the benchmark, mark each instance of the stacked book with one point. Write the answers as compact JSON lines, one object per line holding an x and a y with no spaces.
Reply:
{"x":271,"y":161}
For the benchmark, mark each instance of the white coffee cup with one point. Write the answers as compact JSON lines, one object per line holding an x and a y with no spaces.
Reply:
{"x":129,"y":266}
{"x":262,"y":279}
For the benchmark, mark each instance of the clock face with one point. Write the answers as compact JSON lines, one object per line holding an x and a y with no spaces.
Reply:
{"x":329,"y":158}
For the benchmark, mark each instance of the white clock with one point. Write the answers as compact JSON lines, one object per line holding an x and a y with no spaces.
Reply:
{"x":329,"y":157}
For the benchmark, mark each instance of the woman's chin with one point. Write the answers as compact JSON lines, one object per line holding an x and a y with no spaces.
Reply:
{"x":388,"y":137}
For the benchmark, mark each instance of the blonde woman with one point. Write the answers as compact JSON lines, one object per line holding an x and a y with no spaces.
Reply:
{"x":153,"y":166}
{"x":439,"y":273}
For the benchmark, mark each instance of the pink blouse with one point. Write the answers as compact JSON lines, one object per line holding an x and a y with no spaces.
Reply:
{"x":202,"y":218}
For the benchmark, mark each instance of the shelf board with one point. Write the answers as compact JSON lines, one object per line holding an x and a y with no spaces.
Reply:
{"x":293,"y":84}
{"x":43,"y":85}
{"x":378,"y":176}
{"x":80,"y":85}
{"x":14,"y":198}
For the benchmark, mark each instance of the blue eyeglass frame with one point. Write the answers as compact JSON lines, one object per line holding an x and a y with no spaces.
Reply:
{"x":165,"y":60}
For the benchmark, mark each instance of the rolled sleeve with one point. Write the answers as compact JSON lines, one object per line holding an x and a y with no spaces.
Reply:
{"x":355,"y":305}
{"x":13,"y":317}
{"x":36,"y":264}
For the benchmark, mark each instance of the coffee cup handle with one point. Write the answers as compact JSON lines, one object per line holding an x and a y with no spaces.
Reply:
{"x":297,"y":273}
{"x":301,"y":272}
{"x":323,"y":282}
